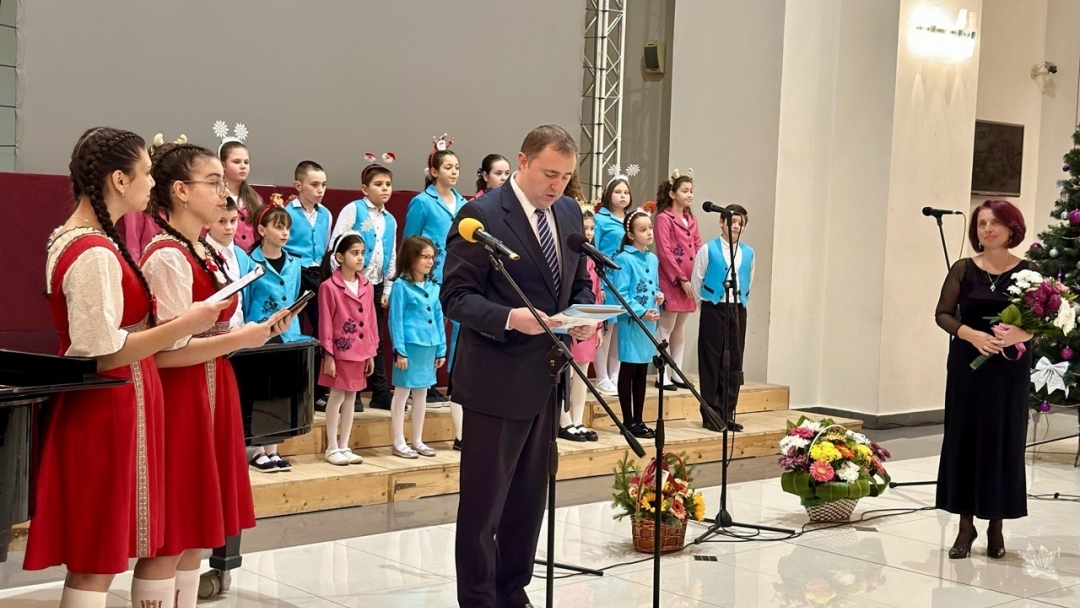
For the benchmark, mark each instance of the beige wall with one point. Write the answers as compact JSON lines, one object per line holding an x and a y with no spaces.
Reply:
{"x":320,"y":80}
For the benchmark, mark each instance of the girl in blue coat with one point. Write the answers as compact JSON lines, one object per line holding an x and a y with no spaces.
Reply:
{"x":419,"y":340}
{"x":610,"y":229}
{"x":277,"y":288}
{"x":638,"y":284}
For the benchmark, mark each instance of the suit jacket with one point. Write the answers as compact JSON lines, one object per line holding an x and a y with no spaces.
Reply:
{"x":498,"y":372}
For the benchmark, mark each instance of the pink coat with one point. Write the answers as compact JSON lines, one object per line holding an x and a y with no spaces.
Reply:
{"x":347,"y":327}
{"x":585,"y":351}
{"x":138,"y":230}
{"x":676,"y":246}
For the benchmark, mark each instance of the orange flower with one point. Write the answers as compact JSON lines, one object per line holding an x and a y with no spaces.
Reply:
{"x":845,"y":452}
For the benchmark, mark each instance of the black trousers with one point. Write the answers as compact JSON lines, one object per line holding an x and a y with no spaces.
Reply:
{"x":310,"y":279}
{"x":504,"y":469}
{"x":721,"y":324}
{"x":377,"y":380}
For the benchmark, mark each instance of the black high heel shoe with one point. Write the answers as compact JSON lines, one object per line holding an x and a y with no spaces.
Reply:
{"x":995,"y":541}
{"x":963,"y":552}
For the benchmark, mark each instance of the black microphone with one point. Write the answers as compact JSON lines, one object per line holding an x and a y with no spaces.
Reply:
{"x":931,"y":212}
{"x":579,"y":244}
{"x":473,"y":231}
{"x":709,"y":207}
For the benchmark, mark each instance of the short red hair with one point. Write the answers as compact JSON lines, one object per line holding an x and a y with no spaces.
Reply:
{"x":1007,"y":214}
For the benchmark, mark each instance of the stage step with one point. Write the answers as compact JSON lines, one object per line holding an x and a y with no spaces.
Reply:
{"x":371,"y":428}
{"x":315,"y":485}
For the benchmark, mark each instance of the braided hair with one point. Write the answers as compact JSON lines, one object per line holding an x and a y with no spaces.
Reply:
{"x":171,"y":163}
{"x":99,"y":152}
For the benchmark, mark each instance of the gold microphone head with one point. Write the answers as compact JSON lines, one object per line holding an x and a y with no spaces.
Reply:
{"x":467,"y":228}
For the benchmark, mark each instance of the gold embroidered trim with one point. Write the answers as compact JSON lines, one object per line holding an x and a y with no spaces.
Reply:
{"x":221,"y":327}
{"x":142,"y":467}
{"x":211,"y":386}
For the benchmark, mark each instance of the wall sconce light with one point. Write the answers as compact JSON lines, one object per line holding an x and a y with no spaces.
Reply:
{"x":935,"y":37}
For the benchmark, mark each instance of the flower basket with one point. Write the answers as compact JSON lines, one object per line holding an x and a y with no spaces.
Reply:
{"x":830,"y":468}
{"x":634,"y":497}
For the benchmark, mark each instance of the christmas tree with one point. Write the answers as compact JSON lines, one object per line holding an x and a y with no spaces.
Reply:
{"x":1057,"y":252}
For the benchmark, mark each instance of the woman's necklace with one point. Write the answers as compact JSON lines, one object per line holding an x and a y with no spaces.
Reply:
{"x":993,"y":281}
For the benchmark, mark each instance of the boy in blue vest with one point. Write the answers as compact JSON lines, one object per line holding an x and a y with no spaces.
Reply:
{"x":723,"y":316}
{"x":378,"y":228}
{"x":310,"y":234}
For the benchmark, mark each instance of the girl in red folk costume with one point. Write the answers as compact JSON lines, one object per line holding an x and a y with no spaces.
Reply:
{"x":677,"y":242}
{"x":349,"y":334}
{"x":207,"y":490}
{"x":93,"y":514}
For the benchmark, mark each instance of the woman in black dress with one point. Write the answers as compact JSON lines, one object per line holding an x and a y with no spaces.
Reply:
{"x":981,"y":473}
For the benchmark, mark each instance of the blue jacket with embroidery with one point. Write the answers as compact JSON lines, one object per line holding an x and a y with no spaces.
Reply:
{"x":429,"y":216}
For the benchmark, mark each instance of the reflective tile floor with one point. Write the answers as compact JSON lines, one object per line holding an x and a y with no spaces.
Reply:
{"x":894,"y":557}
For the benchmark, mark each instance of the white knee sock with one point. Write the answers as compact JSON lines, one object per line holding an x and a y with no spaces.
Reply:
{"x":419,"y":408}
{"x":457,"y":416}
{"x":577,"y":399}
{"x":348,"y":413}
{"x":187,"y":588}
{"x":78,"y":598}
{"x":333,"y":418}
{"x":153,"y":594}
{"x":397,"y":415}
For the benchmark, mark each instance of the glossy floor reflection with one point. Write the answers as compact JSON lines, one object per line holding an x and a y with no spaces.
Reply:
{"x":894,"y":556}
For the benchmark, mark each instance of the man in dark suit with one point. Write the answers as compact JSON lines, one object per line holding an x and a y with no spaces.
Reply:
{"x":500,"y":375}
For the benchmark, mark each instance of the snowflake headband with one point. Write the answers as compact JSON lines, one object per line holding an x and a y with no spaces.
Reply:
{"x":675,"y":175}
{"x":221,"y":130}
{"x":615,"y":173}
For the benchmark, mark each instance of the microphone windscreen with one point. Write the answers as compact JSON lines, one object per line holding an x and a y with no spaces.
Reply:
{"x":467,"y":228}
{"x":575,"y":241}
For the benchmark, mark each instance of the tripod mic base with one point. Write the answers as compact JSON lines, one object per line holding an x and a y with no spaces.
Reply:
{"x":722,"y":521}
{"x":561,"y":566}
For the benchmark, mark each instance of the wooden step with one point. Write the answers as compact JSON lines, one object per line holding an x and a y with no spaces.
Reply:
{"x":371,"y":428}
{"x":315,"y":485}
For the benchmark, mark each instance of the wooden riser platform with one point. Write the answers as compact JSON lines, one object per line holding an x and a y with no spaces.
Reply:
{"x":315,"y":485}
{"x":371,"y":428}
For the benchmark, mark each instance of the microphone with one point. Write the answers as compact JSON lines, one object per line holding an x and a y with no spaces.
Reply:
{"x":931,"y":212}
{"x":473,"y":231}
{"x":709,"y":207}
{"x":578,"y":244}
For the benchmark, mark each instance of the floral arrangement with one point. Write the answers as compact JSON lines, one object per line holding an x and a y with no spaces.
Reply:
{"x":635,"y":492}
{"x":825,"y":462}
{"x":1038,"y":305}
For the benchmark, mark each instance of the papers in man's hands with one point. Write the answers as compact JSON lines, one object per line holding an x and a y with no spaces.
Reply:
{"x":584,"y":314}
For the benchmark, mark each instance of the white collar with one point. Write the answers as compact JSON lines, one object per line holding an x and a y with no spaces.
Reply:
{"x":371,"y":205}
{"x":526,"y":204}
{"x":221,"y":249}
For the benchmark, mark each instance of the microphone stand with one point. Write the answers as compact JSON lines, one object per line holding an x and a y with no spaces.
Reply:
{"x":948,"y":267}
{"x":661,"y":360}
{"x":558,"y":358}
{"x":723,"y":520}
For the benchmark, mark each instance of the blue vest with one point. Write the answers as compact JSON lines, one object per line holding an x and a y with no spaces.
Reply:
{"x":429,"y":216}
{"x":272,"y":291}
{"x":712,"y":288}
{"x":306,"y":243}
{"x":363,"y":213}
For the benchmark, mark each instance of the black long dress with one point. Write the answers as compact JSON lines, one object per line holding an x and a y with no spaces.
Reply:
{"x":981,"y":472}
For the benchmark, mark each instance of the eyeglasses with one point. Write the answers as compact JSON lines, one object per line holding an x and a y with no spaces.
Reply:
{"x":220,"y":186}
{"x":427,"y":257}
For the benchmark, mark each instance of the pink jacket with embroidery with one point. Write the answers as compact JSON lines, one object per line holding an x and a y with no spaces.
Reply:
{"x":676,"y":246}
{"x":347,"y":327}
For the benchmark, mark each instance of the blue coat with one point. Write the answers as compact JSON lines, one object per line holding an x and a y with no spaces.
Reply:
{"x":272,"y":291}
{"x":638,"y":282}
{"x":363,"y":212}
{"x":307,"y":243}
{"x":608,"y":235}
{"x":429,"y":216}
{"x":416,"y":316}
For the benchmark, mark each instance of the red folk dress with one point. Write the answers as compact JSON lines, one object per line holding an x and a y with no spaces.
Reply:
{"x":99,"y":493}
{"x":677,"y":243}
{"x":208,"y":491}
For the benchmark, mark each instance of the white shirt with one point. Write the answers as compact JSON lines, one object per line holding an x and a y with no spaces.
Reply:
{"x":373,"y":271}
{"x":701,"y":266}
{"x":353,"y":286}
{"x":232,"y":270}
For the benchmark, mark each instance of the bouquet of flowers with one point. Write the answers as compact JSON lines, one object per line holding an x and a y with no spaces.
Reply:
{"x":825,"y":462}
{"x":1038,"y":305}
{"x":635,"y":492}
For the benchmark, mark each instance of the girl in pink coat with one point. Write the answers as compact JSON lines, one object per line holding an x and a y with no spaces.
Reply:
{"x":349,"y":335}
{"x":677,"y":242}
{"x":584,"y":353}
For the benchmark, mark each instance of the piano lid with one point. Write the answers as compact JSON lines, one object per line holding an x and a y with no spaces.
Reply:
{"x":30,"y":374}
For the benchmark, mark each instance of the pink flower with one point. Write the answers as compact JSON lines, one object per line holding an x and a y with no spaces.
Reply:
{"x":801,"y":432}
{"x":822,"y":471}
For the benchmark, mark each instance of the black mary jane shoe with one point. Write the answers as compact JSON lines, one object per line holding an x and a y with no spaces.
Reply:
{"x":641,"y":431}
{"x":667,"y":387}
{"x":680,"y":384}
{"x":570,"y":433}
{"x":963,"y":552}
{"x":589,"y":434}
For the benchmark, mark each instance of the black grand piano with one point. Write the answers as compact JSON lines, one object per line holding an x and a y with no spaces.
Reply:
{"x":276,"y":383}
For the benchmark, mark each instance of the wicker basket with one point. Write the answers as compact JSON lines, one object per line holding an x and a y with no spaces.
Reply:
{"x":838,"y":510}
{"x":670,"y":538}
